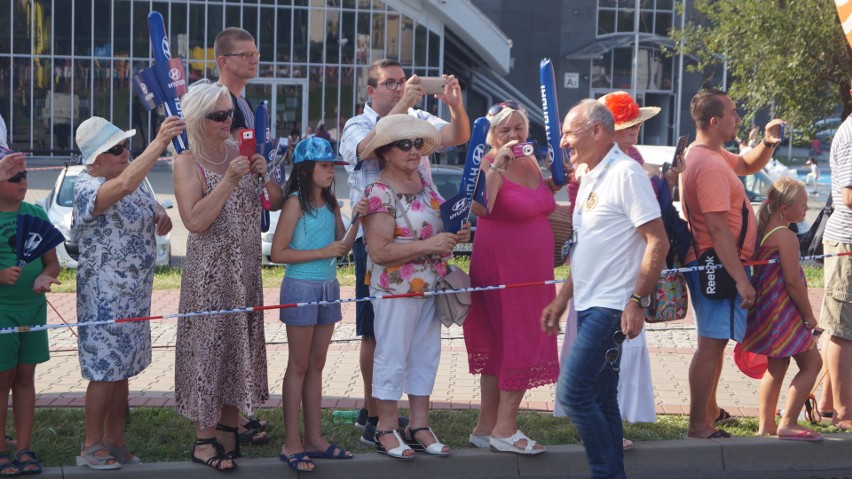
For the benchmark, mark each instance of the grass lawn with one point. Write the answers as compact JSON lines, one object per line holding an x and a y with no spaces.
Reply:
{"x":169,"y":277}
{"x":161,"y":435}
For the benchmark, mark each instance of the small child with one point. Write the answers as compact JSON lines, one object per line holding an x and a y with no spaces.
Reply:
{"x":781,"y":320}
{"x":22,"y":303}
{"x":813,"y":175}
{"x":308,"y":239}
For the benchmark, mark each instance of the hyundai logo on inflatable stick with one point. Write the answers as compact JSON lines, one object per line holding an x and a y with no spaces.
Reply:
{"x":551,"y":120}
{"x":165,"y":82}
{"x":456,"y":210}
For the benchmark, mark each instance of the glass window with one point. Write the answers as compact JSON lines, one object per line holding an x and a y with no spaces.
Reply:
{"x":82,"y":24}
{"x":622,"y":64}
{"x":348,"y":3}
{"x":406,"y":41}
{"x":121,"y":27}
{"x":332,"y":36}
{"x":141,"y":38}
{"x":101,"y":32}
{"x":347,"y":38}
{"x":378,"y":32}
{"x":6,"y":28}
{"x":82,"y":88}
{"x":214,"y":23}
{"x":347,"y":92}
{"x":6,"y":90}
{"x":284,"y":43}
{"x":250,"y":23}
{"x":420,"y":46}
{"x":363,"y":52}
{"x":625,"y":20}
{"x":317,"y":34}
{"x":606,"y":22}
{"x":300,"y":35}
{"x":434,"y":49}
{"x":61,"y":35}
{"x":266,"y":34}
{"x":663,"y":23}
{"x":392,"y":25}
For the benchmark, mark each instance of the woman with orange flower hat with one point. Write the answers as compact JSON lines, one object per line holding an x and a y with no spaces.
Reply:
{"x":408,"y":250}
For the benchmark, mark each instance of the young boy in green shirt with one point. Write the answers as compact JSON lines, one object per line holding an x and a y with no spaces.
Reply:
{"x":22,"y":303}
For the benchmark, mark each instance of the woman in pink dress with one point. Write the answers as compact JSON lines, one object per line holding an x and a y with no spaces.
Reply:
{"x":513,"y":244}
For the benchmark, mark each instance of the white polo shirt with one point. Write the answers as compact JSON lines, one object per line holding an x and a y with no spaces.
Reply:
{"x":613,"y":200}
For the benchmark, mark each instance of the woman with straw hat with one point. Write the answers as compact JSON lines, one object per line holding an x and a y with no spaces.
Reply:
{"x":115,"y":221}
{"x":408,"y":250}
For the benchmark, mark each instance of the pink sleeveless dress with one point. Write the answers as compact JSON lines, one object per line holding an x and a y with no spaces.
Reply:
{"x":514,"y":244}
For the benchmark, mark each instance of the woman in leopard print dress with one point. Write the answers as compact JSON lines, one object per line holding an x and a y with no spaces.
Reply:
{"x":220,"y":360}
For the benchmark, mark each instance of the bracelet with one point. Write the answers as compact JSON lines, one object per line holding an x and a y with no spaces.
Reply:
{"x":770,"y":145}
{"x":498,"y":170}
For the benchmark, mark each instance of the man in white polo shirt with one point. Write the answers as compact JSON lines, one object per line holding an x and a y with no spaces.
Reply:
{"x":618,"y":252}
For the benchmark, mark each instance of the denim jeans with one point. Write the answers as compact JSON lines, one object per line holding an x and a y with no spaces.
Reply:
{"x":588,"y":391}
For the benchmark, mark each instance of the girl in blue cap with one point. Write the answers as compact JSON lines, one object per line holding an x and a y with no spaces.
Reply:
{"x":308,"y":239}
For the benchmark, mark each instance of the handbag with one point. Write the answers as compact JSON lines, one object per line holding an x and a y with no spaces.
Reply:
{"x":450,"y":308}
{"x":715,"y":282}
{"x":560,"y":223}
{"x":811,"y":243}
{"x":669,"y":301}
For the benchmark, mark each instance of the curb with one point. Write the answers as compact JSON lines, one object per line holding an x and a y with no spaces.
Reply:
{"x":704,"y":458}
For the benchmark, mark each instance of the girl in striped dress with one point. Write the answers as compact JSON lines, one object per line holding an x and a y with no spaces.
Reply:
{"x":781,"y":320}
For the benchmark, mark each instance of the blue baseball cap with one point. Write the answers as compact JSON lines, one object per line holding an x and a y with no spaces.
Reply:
{"x":315,"y":149}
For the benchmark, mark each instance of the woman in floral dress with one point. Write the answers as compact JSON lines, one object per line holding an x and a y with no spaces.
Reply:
{"x":408,"y":250}
{"x":115,"y":220}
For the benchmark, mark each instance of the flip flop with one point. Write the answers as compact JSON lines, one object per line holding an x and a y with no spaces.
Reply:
{"x":723,"y":418}
{"x":329,"y":453}
{"x":294,"y":460}
{"x":719,"y":435}
{"x":626,"y":444}
{"x":803,"y":435}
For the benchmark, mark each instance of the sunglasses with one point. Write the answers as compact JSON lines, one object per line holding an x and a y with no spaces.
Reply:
{"x":406,"y":145}
{"x":511,"y":104}
{"x":18,"y":177}
{"x":220,"y":116}
{"x":119,"y":148}
{"x":612,"y":354}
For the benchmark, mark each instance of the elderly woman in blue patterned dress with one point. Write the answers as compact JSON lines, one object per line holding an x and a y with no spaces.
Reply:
{"x":115,"y":221}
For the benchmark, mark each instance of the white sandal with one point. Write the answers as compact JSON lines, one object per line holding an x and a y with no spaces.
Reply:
{"x":398,"y":451}
{"x":479,"y":441}
{"x":88,"y":458}
{"x":507,"y":444}
{"x":435,"y":449}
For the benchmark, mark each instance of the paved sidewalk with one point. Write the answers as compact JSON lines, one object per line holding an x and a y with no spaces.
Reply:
{"x":671,"y":345}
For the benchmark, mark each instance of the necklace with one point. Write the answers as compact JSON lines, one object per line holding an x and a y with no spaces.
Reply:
{"x":203,"y":157}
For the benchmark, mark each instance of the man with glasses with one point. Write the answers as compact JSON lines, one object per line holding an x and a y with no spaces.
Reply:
{"x":715,"y":204}
{"x":237,"y":57}
{"x":616,"y":211}
{"x":390,"y":93}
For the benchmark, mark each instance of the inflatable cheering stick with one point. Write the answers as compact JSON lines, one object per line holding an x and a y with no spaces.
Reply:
{"x":551,"y":120}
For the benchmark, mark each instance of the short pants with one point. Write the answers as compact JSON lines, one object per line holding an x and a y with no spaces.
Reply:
{"x":713,"y":317}
{"x":23,"y":348}
{"x":302,"y":291}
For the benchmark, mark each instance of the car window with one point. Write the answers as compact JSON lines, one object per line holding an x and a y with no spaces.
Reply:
{"x":447,"y":184}
{"x":66,"y":191}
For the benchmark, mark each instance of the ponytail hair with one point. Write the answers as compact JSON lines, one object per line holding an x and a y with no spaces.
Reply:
{"x":782,"y":192}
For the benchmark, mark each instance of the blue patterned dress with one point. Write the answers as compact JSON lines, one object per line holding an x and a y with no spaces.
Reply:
{"x":115,"y":276}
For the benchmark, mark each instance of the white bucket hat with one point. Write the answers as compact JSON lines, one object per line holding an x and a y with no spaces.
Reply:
{"x":97,"y":135}
{"x":403,"y":127}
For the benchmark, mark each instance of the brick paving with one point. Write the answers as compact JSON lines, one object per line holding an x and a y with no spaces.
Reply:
{"x":671,"y":345}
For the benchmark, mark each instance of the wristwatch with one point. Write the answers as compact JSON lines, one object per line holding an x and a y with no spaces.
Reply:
{"x":643,"y":301}
{"x":770,"y":145}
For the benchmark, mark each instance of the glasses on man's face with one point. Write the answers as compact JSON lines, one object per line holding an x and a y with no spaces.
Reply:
{"x":612,"y":354}
{"x":406,"y":145}
{"x":118,"y":149}
{"x":243,"y":55}
{"x":18,"y":177}
{"x":511,"y":104}
{"x":393,"y":85}
{"x":220,"y":116}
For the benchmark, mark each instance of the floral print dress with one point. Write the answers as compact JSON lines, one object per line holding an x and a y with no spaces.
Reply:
{"x":115,"y":276}
{"x":424,"y":213}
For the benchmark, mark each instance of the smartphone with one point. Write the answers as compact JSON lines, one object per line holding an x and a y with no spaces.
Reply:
{"x":782,"y":133}
{"x":682,"y":143}
{"x":248,"y":144}
{"x":433,"y":85}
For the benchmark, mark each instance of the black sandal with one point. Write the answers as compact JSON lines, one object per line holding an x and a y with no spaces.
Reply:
{"x":255,"y":423}
{"x":235,"y":431}
{"x":215,"y":461}
{"x":31,"y":466}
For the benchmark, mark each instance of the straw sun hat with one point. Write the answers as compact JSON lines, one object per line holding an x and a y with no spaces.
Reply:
{"x":97,"y":135}
{"x":625,"y":109}
{"x":403,"y":127}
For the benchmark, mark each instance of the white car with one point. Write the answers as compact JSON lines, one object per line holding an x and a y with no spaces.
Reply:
{"x":59,"y":205}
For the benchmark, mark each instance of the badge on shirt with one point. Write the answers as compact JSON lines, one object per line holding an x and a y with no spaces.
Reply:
{"x":592,"y":201}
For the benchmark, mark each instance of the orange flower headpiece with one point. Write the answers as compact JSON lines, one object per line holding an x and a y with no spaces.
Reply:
{"x":626,"y":111}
